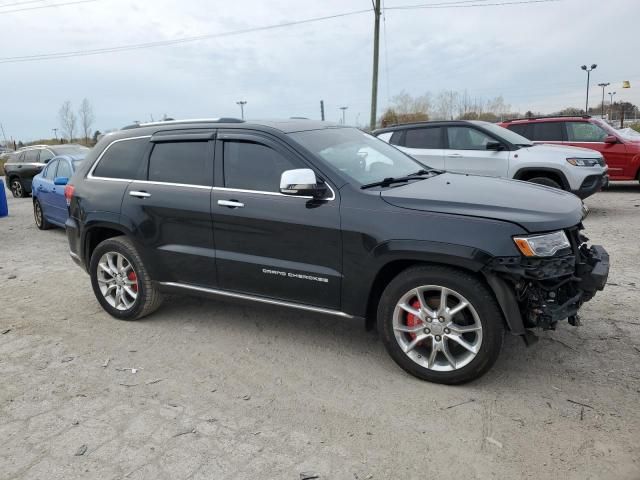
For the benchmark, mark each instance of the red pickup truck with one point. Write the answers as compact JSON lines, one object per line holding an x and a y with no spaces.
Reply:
{"x":622,"y":154}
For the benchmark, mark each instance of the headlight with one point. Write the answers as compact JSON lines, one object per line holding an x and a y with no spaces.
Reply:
{"x":583,"y":162}
{"x":542,"y":245}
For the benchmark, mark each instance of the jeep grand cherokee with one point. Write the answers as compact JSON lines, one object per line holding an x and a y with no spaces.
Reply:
{"x":329,"y":219}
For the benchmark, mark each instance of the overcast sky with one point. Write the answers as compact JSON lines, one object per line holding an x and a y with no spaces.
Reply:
{"x":529,"y":53}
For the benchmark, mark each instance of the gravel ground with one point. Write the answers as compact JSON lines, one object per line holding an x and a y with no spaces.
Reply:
{"x":229,"y":390}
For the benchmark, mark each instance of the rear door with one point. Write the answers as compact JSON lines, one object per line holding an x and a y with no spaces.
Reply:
{"x":30,"y":167}
{"x":170,"y":209}
{"x":590,"y":135}
{"x":269,"y":244}
{"x":425,"y":144}
{"x":466,"y":152}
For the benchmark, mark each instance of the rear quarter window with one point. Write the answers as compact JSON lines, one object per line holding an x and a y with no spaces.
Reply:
{"x":123,"y":159}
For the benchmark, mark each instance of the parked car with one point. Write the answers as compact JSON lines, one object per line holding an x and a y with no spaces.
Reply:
{"x":621,"y":153}
{"x":483,"y":148}
{"x":49,"y":204}
{"x":326,"y":218}
{"x":27,"y":162}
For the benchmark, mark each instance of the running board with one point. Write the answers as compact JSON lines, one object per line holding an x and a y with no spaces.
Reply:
{"x":243,"y":296}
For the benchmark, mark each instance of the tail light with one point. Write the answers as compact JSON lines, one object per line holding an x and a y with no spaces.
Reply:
{"x":68,"y":193}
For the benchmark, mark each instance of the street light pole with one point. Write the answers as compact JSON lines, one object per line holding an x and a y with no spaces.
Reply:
{"x":55,"y":132}
{"x":603,"y":85}
{"x":588,"y":70}
{"x":242,"y":103}
{"x":343,"y":111}
{"x":611,"y":94}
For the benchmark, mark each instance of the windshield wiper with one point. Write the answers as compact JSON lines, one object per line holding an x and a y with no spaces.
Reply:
{"x":385,"y":182}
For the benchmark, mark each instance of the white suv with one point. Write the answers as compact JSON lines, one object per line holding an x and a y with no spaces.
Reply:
{"x":483,"y":148}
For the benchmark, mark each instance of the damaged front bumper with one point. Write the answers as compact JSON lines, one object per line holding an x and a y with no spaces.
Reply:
{"x":548,"y":290}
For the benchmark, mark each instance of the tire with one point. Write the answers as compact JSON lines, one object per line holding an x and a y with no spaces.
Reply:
{"x":38,"y":216}
{"x":546,"y":181}
{"x":147,"y":297}
{"x":17,"y":189}
{"x":482,"y":311}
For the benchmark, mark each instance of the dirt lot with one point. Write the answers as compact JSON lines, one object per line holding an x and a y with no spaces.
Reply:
{"x":244,"y":391}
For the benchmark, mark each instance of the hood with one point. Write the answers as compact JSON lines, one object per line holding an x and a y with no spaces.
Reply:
{"x":562,"y":150}
{"x":536,"y":208}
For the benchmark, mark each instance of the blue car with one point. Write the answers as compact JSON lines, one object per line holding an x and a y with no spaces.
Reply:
{"x":49,"y":203}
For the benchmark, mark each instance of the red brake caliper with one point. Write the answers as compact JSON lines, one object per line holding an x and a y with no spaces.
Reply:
{"x":132,"y":277}
{"x":412,"y":320}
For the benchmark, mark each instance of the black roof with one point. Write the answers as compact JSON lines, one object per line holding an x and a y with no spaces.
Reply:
{"x":289,"y":125}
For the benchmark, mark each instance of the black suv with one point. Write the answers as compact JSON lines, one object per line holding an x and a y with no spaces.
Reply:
{"x":329,"y":219}
{"x":27,"y":162}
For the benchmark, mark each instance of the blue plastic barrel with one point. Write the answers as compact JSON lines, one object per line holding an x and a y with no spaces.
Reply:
{"x":4,"y":208}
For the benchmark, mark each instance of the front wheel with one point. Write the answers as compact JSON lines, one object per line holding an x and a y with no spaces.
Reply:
{"x":546,"y":181}
{"x":120,"y":280}
{"x":440,"y":324}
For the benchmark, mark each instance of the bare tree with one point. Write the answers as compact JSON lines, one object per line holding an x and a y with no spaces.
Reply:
{"x":67,"y":120}
{"x":86,"y":118}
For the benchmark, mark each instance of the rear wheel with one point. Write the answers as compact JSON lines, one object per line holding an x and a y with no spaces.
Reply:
{"x":17,"y":189}
{"x":546,"y":181}
{"x":120,"y":281}
{"x":440,"y":324}
{"x":38,"y":216}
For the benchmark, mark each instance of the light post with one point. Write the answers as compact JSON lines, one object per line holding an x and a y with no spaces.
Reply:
{"x":603,"y":85}
{"x":588,"y":70}
{"x":344,"y":109}
{"x":611,"y":94}
{"x":55,"y":132}
{"x":242,"y":103}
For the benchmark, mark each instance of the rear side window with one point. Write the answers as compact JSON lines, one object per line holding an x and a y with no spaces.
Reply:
{"x":179,"y":162}
{"x":585,"y":132}
{"x":423,"y":138}
{"x":547,"y":132}
{"x":64,"y":169}
{"x":31,"y":156}
{"x":123,"y":159}
{"x":253,"y":166}
{"x":524,"y":129}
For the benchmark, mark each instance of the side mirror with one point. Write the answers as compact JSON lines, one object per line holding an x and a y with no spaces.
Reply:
{"x":610,"y":139}
{"x":301,"y":181}
{"x":60,"y":181}
{"x":47,"y":161}
{"x":497,"y":146}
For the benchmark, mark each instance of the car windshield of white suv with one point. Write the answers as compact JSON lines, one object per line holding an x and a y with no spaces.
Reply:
{"x":362,"y":157}
{"x":506,"y":134}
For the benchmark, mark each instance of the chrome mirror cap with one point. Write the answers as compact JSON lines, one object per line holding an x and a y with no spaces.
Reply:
{"x":301,"y":181}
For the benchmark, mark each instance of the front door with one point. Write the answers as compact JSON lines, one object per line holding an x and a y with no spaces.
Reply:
{"x":467,"y":152}
{"x":269,"y":244}
{"x":170,"y":209}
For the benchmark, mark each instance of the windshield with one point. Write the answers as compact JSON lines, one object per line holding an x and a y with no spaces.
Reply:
{"x":358,"y":155}
{"x":506,"y":134}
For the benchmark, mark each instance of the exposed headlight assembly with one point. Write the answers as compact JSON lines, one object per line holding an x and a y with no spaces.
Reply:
{"x":542,"y":245}
{"x":583,"y":162}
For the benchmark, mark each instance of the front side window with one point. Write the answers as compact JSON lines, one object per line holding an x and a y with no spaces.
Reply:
{"x":180,"y":162}
{"x":423,"y":138}
{"x":465,"y":138}
{"x":64,"y":169}
{"x":585,"y":132}
{"x":358,"y":155}
{"x":123,"y":159}
{"x":45,"y":156}
{"x":253,"y":166}
{"x":50,"y":171}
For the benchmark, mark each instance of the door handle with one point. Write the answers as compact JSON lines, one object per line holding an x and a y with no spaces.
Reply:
{"x":230,"y":203}
{"x":135,"y":193}
{"x":454,"y":155}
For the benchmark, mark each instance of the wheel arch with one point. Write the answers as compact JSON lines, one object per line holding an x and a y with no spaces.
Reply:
{"x":527,"y":173}
{"x":98,"y":232}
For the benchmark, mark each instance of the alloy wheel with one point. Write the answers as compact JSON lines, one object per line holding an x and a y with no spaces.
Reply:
{"x":117,"y":280}
{"x":437,"y":328}
{"x":16,"y":188}
{"x":37,"y":213}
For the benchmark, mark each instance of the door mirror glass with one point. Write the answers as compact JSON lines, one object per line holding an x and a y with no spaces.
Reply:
{"x":301,"y":181}
{"x":60,"y":180}
{"x":497,"y":146}
{"x":610,"y":139}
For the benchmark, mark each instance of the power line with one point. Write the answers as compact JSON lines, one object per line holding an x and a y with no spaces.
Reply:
{"x":176,"y":41}
{"x":465,"y":4}
{"x":76,"y":2}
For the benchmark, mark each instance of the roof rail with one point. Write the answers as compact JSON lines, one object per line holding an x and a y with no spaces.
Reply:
{"x":547,"y":116}
{"x":178,"y":122}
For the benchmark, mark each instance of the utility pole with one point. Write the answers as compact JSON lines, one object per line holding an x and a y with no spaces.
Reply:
{"x":344,"y":109}
{"x":3,"y":135}
{"x":374,"y":82}
{"x":322,"y":110}
{"x":588,"y":70}
{"x":242,"y":103}
{"x":603,"y":85}
{"x":55,"y":132}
